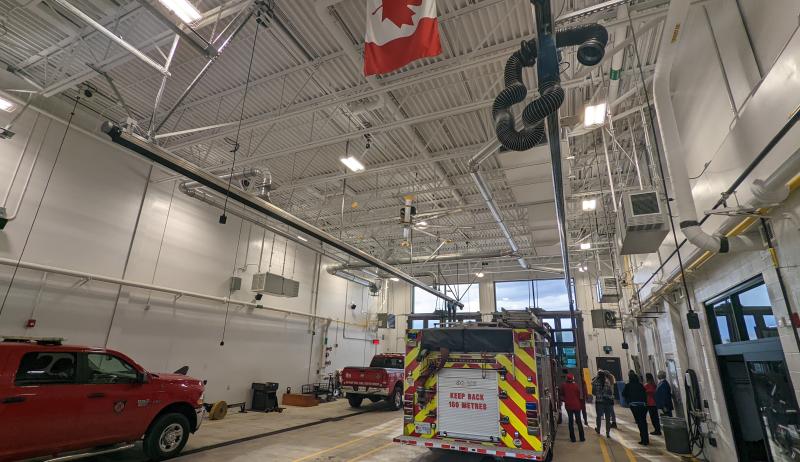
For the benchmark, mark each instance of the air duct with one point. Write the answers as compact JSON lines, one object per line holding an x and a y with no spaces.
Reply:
{"x":591,"y":38}
{"x":673,"y":147}
{"x":450,"y":257}
{"x":248,"y":179}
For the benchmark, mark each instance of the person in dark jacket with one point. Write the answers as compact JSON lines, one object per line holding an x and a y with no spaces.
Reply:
{"x":664,"y":395}
{"x":570,"y":394}
{"x":636,"y":396}
{"x":652,"y":409}
{"x":603,"y":400}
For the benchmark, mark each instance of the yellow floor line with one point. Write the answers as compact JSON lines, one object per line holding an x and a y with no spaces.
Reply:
{"x":346,"y":443}
{"x":630,"y":454}
{"x":379,"y":448}
{"x":604,"y":450}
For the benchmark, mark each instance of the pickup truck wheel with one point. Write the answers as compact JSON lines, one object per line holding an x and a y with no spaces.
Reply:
{"x":396,"y":399}
{"x":166,"y":437}
{"x":355,"y":400}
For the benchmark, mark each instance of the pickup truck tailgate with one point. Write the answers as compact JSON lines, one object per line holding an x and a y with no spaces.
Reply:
{"x":364,"y":376}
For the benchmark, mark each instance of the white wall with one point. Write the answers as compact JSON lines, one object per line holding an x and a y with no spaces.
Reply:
{"x":97,"y":206}
{"x":763,"y":83}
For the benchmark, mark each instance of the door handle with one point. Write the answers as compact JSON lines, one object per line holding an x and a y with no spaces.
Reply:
{"x":13,"y":399}
{"x":96,"y":395}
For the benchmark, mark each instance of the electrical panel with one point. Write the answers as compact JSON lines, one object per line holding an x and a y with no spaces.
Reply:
{"x":274,"y":284}
{"x":386,"y":321}
{"x":642,"y":222}
{"x":604,"y":319}
{"x":607,"y":289}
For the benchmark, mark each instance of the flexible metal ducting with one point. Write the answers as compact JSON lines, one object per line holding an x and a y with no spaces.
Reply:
{"x":592,"y":40}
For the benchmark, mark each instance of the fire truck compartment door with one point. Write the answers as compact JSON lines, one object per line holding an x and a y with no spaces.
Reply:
{"x":468,"y":403}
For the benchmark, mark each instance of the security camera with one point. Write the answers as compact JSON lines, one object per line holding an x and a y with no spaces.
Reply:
{"x":352,"y":306}
{"x":245,"y":183}
{"x":88,"y":93}
{"x":259,"y":296}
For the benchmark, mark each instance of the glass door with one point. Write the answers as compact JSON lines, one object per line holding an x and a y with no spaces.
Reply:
{"x":777,"y":408}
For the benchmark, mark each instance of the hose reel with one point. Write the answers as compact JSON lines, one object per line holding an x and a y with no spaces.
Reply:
{"x":591,"y":40}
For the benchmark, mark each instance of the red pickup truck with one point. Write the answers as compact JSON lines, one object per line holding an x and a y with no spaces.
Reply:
{"x":383,"y":379}
{"x":71,"y":400}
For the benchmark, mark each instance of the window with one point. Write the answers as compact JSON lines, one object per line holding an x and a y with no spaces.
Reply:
{"x":547,"y":294}
{"x":46,"y":368}
{"x":107,"y":369}
{"x":742,"y":314}
{"x":387,"y":362}
{"x":468,"y":294}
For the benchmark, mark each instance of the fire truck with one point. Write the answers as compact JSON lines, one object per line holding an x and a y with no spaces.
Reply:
{"x":483,"y":388}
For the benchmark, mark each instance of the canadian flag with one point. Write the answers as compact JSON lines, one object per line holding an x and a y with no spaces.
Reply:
{"x":398,"y":32}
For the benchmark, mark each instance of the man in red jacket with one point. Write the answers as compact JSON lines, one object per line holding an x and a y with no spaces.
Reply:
{"x":570,"y":394}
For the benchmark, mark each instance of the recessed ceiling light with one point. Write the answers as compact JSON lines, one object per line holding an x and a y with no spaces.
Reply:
{"x":7,"y":105}
{"x":586,"y":245}
{"x":353,"y":164}
{"x":182,"y":9}
{"x":594,"y":116}
{"x":589,"y":204}
{"x":479,"y":274}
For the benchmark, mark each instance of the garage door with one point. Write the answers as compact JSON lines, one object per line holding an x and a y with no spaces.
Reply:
{"x":468,"y":406}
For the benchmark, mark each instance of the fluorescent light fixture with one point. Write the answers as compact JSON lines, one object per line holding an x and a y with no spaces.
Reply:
{"x":7,"y":105}
{"x":586,"y":245}
{"x":594,"y":116}
{"x":479,"y":274}
{"x":395,"y":279}
{"x":589,"y":204}
{"x":182,"y":9}
{"x":353,"y":164}
{"x":302,"y":238}
{"x":582,"y":269}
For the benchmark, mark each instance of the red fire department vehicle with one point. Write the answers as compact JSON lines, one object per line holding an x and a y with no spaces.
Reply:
{"x":484,"y":388}
{"x":71,"y":401}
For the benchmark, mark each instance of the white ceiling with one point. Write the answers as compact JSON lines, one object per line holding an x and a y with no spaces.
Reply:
{"x":301,"y":115}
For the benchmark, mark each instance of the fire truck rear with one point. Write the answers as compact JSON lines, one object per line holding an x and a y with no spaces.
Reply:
{"x":483,"y":388}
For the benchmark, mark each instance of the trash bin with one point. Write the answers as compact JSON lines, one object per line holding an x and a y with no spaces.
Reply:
{"x":676,"y":435}
{"x":622,"y":401}
{"x":265,"y":396}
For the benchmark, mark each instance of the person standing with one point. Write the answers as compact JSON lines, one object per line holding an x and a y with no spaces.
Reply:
{"x":664,"y":395}
{"x":636,"y":396}
{"x":652,"y":409}
{"x":570,"y":394}
{"x":612,"y":382}
{"x":603,"y":401}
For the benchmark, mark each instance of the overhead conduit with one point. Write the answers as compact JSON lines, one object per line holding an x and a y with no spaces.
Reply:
{"x":674,"y":151}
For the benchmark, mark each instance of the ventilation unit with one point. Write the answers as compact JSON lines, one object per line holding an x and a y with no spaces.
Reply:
{"x":607,"y":290}
{"x":642,"y":222}
{"x":273,"y":284}
{"x":604,"y":319}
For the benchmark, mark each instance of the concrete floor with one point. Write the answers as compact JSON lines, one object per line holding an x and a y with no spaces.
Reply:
{"x":334,"y":432}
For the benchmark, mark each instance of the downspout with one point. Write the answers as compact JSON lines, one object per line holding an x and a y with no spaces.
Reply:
{"x":323,"y":14}
{"x":674,"y":152}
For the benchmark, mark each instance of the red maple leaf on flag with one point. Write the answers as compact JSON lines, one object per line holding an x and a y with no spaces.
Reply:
{"x":398,"y":11}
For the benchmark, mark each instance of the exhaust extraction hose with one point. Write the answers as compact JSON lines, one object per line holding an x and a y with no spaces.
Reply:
{"x":592,"y":40}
